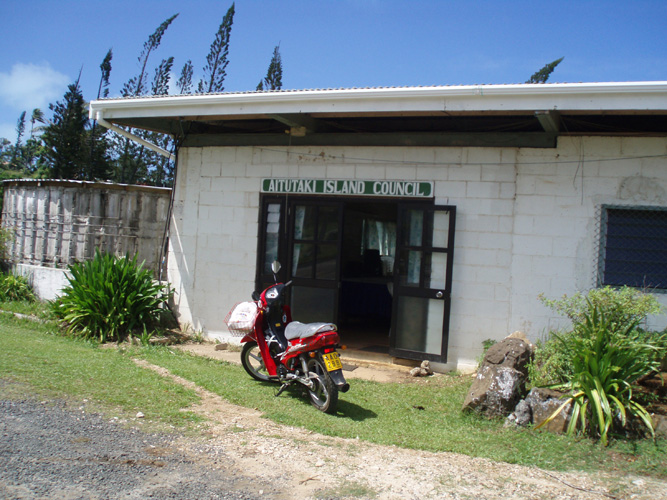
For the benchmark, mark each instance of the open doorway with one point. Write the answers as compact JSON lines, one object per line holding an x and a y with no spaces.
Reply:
{"x":368,"y":250}
{"x":381,"y":269}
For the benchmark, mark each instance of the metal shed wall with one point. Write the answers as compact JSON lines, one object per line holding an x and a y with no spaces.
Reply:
{"x":56,"y":223}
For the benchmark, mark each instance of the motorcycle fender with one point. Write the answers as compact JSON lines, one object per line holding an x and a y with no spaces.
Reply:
{"x":339,"y":379}
{"x":247,"y":338}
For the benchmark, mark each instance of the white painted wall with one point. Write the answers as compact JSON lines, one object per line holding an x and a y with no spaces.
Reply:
{"x":526,"y":222}
{"x":47,"y":282}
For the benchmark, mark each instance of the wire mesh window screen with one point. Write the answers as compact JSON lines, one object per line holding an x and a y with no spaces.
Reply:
{"x":633,"y":247}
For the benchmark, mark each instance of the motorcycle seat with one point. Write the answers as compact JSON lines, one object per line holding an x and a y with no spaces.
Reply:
{"x":297,"y":330}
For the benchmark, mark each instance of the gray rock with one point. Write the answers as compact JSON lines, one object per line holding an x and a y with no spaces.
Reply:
{"x":424,"y":370}
{"x":538,"y":406}
{"x":523,"y":415}
{"x":501,"y":380}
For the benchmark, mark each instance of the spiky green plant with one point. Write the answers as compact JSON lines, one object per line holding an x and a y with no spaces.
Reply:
{"x":14,"y":287}
{"x":606,"y":361}
{"x":621,"y":308}
{"x":110,"y":298}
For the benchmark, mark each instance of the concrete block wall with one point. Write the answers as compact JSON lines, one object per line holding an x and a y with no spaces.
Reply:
{"x":526,"y":222}
{"x":557,"y":211}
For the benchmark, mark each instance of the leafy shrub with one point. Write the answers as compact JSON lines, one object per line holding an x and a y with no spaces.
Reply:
{"x":606,"y":360}
{"x":14,"y":287}
{"x":620,"y":307}
{"x":5,"y":237}
{"x":110,"y":298}
{"x":552,"y":362}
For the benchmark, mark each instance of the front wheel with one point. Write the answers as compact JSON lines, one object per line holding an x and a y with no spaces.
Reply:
{"x":251,"y":359}
{"x":324,"y":394}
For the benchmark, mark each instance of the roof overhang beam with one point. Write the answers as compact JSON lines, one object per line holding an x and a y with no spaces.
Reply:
{"x":299,"y":123}
{"x":414,"y":139}
{"x":549,"y":120}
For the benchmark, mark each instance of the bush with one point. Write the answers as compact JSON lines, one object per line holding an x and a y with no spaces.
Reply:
{"x":606,"y":360}
{"x":15,"y":288}
{"x":620,"y":307}
{"x":110,"y":298}
{"x":5,"y":237}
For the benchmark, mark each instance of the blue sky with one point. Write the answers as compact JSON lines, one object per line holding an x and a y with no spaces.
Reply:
{"x":328,"y":44}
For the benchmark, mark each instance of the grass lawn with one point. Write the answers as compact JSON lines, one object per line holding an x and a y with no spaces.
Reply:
{"x":424,"y":415}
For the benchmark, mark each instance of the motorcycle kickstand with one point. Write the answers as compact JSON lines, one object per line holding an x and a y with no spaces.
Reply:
{"x":283,"y":387}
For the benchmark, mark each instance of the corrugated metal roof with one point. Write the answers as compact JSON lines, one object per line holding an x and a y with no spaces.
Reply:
{"x":333,"y":89}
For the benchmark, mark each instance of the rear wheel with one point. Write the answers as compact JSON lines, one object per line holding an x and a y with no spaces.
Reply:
{"x":251,"y":359}
{"x":324,"y":394}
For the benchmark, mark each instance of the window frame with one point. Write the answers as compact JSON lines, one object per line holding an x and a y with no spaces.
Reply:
{"x":602,"y":268}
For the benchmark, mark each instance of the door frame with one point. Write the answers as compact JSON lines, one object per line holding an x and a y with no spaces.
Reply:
{"x":422,"y":290}
{"x":313,"y":281}
{"x":286,"y":242}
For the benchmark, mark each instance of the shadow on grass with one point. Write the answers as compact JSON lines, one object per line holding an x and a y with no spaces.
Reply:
{"x":344,"y":410}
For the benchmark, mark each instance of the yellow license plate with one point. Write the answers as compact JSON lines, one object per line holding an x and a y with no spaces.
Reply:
{"x":332,"y":361}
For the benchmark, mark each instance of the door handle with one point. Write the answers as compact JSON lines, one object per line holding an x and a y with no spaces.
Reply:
{"x":439,"y":295}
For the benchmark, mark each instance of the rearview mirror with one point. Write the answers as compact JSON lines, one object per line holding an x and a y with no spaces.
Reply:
{"x":275,"y":266}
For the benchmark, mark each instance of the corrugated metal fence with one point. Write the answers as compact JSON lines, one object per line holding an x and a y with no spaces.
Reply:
{"x":56,"y":223}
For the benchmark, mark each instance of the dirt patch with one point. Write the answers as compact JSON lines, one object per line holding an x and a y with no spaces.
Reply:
{"x":352,"y":369}
{"x":312,"y":466}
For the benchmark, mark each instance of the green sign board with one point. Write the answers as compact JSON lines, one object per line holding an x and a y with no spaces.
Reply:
{"x":349,"y":187}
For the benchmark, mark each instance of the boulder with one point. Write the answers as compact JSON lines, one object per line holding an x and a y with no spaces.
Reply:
{"x":501,"y":379}
{"x":538,"y":406}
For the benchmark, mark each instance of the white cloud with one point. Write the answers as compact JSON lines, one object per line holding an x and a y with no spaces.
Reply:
{"x":30,"y":86}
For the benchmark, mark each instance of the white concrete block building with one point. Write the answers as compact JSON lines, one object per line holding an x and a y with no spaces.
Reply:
{"x":422,"y":220}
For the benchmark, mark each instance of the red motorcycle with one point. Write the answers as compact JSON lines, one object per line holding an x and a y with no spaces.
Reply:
{"x":279,"y":349}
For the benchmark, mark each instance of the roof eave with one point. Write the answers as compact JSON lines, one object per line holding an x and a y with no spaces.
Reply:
{"x":600,"y":97}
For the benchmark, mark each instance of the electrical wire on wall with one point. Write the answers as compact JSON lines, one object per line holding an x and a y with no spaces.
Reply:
{"x":165,"y":234}
{"x":578,"y":161}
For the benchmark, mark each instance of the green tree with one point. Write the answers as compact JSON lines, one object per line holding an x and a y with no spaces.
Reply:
{"x":159,"y":171}
{"x":184,"y":83}
{"x":16,"y":162}
{"x":543,"y":75}
{"x":274,"y":75}
{"x":64,"y":137}
{"x":131,"y":158}
{"x":216,"y":60}
{"x":37,"y":116}
{"x":99,"y":166}
{"x":136,"y":85}
{"x":160,"y":84}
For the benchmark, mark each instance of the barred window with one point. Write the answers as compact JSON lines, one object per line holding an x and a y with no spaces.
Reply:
{"x":633,"y":247}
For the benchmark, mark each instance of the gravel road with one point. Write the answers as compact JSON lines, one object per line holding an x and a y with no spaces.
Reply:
{"x":50,"y":451}
{"x":57,"y":450}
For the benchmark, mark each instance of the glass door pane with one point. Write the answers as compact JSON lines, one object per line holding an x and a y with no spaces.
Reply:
{"x":422,"y":286}
{"x":419,"y":326}
{"x":315,"y":262}
{"x":271,"y":241}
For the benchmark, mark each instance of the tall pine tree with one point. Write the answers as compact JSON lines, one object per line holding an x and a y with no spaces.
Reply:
{"x":543,"y":74}
{"x":216,"y":60}
{"x":16,"y":162}
{"x":274,"y":75}
{"x":99,"y":167}
{"x":64,"y":138}
{"x":131,"y":158}
{"x":184,"y":83}
{"x":137,"y":85}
